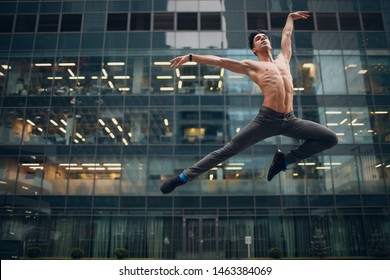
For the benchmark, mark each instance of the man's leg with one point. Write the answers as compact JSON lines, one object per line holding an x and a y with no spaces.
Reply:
{"x":317,"y":139}
{"x":258,"y":129}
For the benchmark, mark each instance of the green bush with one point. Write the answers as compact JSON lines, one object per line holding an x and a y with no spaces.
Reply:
{"x":34,"y":252}
{"x":275,"y":253}
{"x":120,"y":253}
{"x":77,"y":253}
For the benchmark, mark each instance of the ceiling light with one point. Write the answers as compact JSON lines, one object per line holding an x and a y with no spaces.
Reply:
{"x":212,"y":77}
{"x":121,"y":77}
{"x":307,"y":65}
{"x":67,"y":64}
{"x":189,"y":77}
{"x":111,"y":84}
{"x":164,"y":77}
{"x":73,"y":168}
{"x":90,"y":164}
{"x":166,"y":88}
{"x":343,"y":121}
{"x":114,"y":121}
{"x":77,"y":78}
{"x":42,"y":64}
{"x":54,"y":122}
{"x":115,"y":63}
{"x":161,"y":63}
{"x":362,"y":72}
{"x":30,"y":122}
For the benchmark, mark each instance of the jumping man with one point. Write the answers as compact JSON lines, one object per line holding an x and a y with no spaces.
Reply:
{"x":276,"y":116}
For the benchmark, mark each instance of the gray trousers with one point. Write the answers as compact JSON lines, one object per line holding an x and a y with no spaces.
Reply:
{"x":266,"y":124}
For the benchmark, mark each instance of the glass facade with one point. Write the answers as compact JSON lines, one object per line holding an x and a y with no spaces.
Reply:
{"x":93,"y":119}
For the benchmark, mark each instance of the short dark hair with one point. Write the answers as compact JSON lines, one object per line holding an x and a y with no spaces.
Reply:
{"x":252,"y":36}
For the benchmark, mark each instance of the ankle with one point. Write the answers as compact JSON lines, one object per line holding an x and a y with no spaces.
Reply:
{"x":183,"y":178}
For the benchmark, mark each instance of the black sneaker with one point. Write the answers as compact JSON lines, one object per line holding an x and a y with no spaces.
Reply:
{"x":171,"y":184}
{"x":278,"y":164}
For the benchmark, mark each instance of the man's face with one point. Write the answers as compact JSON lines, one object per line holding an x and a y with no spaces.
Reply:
{"x":261,"y":41}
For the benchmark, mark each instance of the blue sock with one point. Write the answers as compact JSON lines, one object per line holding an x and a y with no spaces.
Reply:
{"x":183,"y":177}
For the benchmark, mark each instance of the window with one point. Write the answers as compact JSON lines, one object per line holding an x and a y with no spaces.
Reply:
{"x":187,"y":21}
{"x":257,"y":21}
{"x":326,"y":21}
{"x":372,"y":21}
{"x":140,"y":21}
{"x":117,"y":22}
{"x":25,"y":23}
{"x":278,"y":20}
{"x":164,"y":21}
{"x":71,"y":22}
{"x":210,"y":21}
{"x":307,"y":24}
{"x":349,"y":21}
{"x":48,"y":23}
{"x":6,"y":23}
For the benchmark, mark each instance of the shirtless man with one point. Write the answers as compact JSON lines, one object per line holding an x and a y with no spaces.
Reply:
{"x":276,"y":116}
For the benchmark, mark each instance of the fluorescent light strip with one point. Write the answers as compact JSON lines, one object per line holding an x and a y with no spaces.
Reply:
{"x":164,"y":77}
{"x":161,"y":63}
{"x":42,"y":64}
{"x":189,"y":77}
{"x":211,"y":77}
{"x":66,"y":64}
{"x":166,"y":88}
{"x":121,"y":77}
{"x":115,"y":63}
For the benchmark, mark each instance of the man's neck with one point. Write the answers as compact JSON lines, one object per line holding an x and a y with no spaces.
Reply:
{"x":266,"y":56}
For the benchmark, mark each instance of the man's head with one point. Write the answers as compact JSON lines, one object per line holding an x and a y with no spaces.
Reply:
{"x":256,"y":34}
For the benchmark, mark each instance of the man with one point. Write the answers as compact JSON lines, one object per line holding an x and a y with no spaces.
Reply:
{"x":276,"y":115}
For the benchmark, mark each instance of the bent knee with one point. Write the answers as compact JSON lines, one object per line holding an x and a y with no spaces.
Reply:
{"x":331,"y":140}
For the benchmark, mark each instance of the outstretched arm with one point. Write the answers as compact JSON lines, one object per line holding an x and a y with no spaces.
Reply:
{"x":242,"y":67}
{"x":287,"y":32}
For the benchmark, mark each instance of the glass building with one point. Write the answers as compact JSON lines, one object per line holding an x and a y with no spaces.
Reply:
{"x":93,"y":119}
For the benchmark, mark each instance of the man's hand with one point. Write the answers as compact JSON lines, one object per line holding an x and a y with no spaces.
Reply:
{"x":180,"y":60}
{"x":299,"y":15}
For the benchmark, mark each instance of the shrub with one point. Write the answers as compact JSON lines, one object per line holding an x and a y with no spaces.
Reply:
{"x":120,"y":253}
{"x":377,"y":246}
{"x":275,"y":253}
{"x":318,"y":245}
{"x":34,"y":252}
{"x":77,"y":253}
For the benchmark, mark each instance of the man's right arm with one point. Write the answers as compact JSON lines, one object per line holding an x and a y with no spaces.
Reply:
{"x":242,"y":66}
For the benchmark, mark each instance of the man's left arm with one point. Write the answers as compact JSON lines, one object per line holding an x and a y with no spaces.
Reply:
{"x":287,"y":32}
